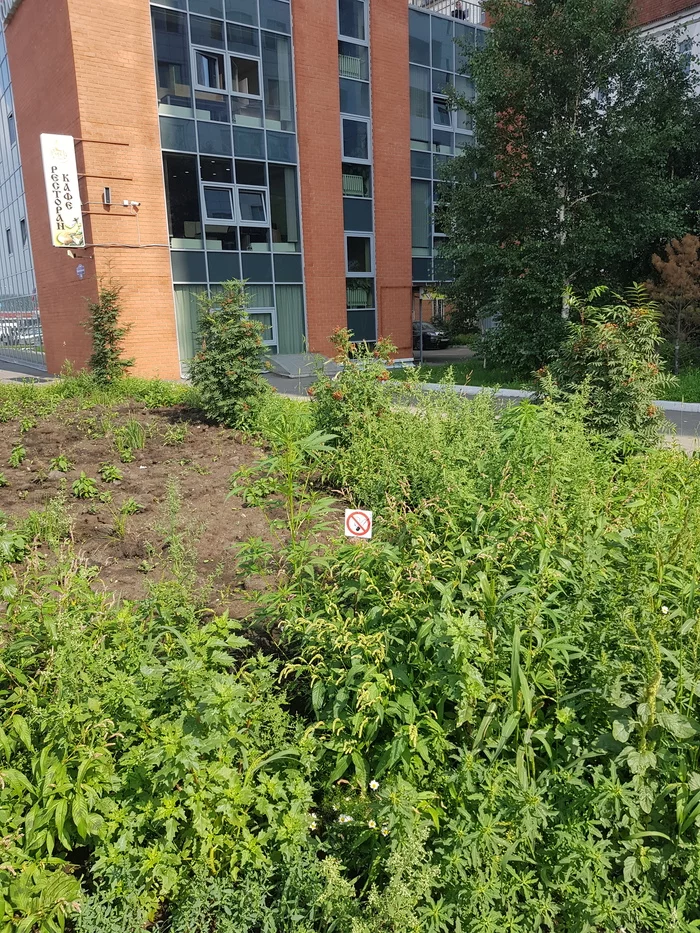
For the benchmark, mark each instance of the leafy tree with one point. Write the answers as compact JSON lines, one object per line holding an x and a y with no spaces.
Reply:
{"x":226,"y":370}
{"x":611,"y":352}
{"x":677,"y":289}
{"x":107,"y":335}
{"x":583,"y":164}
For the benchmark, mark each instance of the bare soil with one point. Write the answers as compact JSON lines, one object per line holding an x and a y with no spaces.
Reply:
{"x":196,"y":467}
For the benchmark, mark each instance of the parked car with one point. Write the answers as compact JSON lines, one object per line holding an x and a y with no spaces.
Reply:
{"x":20,"y":334}
{"x":433,"y":338}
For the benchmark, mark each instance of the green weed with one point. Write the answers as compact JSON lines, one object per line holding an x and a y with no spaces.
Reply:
{"x":17,"y":457}
{"x":84,"y":487}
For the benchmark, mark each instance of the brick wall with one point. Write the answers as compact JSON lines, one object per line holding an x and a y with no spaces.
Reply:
{"x":92,"y":76}
{"x":392,"y":169}
{"x":648,"y":11}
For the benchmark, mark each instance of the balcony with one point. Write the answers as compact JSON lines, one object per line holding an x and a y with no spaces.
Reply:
{"x":459,"y":9}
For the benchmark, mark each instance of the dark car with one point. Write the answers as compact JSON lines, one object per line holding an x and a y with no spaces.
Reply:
{"x":433,"y":338}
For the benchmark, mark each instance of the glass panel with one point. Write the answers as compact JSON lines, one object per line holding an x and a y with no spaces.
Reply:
{"x":442,"y":115}
{"x":443,"y":142}
{"x":420,"y":164}
{"x":462,"y":142}
{"x":277,"y":78}
{"x":288,"y":267}
{"x":355,"y":139}
{"x":251,"y":173}
{"x":172,"y":63}
{"x":242,"y":39}
{"x":464,"y":47}
{"x":219,"y":170}
{"x":247,"y":111}
{"x":464,"y":120}
{"x":443,"y":43}
{"x":257,"y":266}
{"x":274,"y":14}
{"x":188,"y":266}
{"x":353,"y":61}
{"x":465,"y":87}
{"x":421,"y":208}
{"x":211,"y":107}
{"x":252,"y":204}
{"x":242,"y":11}
{"x":177,"y":134}
{"x":284,"y":210}
{"x":249,"y":142}
{"x":219,"y":203}
{"x":352,"y":18}
{"x":255,"y":239}
{"x":210,"y":70}
{"x":422,"y":270}
{"x":266,"y":321}
{"x":182,"y":194}
{"x":359,"y":254}
{"x":363,"y":325}
{"x":221,"y":238}
{"x":175,"y":4}
{"x":281,"y":147}
{"x":419,"y":37}
{"x":354,"y":97}
{"x":360,"y":293}
{"x":208,"y":7}
{"x":187,"y":319}
{"x":420,"y":103}
{"x":214,"y":138}
{"x":441,"y":81}
{"x":260,"y":296}
{"x":223,"y":266}
{"x":357,"y":214}
{"x":290,"y":318}
{"x":357,"y":180}
{"x":245,"y":76}
{"x":209,"y":32}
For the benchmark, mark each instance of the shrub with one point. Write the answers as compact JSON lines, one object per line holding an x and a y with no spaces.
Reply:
{"x":106,"y":362}
{"x":612,"y":351}
{"x":226,"y":370}
{"x":110,"y":474}
{"x":84,"y":487}
{"x":357,"y":391}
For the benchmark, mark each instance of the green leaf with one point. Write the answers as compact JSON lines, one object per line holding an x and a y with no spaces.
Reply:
{"x":79,"y":812}
{"x":679,"y":726}
{"x":622,"y":729}
{"x":318,"y":695}
{"x":59,"y":817}
{"x":360,"y":768}
{"x":21,"y":729}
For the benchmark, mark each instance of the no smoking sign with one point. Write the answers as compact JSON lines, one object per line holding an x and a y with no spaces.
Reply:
{"x":358,"y":523}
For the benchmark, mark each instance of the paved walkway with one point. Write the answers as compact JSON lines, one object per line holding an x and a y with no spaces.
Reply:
{"x":17,"y":372}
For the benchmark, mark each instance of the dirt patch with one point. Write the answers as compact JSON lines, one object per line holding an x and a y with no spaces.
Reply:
{"x":179,"y":481}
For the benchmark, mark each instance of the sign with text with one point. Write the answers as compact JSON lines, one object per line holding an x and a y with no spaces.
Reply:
{"x":358,"y":523}
{"x":62,"y":192}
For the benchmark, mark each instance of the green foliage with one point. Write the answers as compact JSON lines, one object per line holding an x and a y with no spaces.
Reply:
{"x":578,"y":120}
{"x":130,"y":507}
{"x":612,"y":352}
{"x":110,"y":473}
{"x":60,"y":463}
{"x":50,"y":525}
{"x":175,"y":434}
{"x":3,"y":480}
{"x":357,"y":391}
{"x":226,"y":370}
{"x":128,"y":438}
{"x":84,"y":487}
{"x":17,"y":456}
{"x":106,"y":362}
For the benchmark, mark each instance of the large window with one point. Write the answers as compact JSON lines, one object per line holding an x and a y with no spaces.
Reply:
{"x":420,"y":107}
{"x":284,"y":209}
{"x":209,"y":70}
{"x":354,"y":97}
{"x":172,"y":63}
{"x":245,"y":76}
{"x":353,"y":61}
{"x":277,"y":78}
{"x":218,"y":203}
{"x":352,"y":19}
{"x":183,"y":201}
{"x":356,"y":139}
{"x":419,"y":37}
{"x":252,"y":206}
{"x":421,"y":217}
{"x":358,"y":254}
{"x":357,"y":180}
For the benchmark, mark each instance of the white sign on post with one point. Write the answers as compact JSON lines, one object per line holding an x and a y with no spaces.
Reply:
{"x":62,"y":192}
{"x":358,"y":523}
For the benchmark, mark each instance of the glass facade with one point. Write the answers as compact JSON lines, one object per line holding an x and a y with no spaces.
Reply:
{"x":437,"y":62}
{"x":21,"y":339}
{"x":356,"y":147}
{"x":225,"y":80}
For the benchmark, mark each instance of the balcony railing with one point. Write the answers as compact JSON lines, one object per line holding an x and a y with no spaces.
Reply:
{"x":458,"y":9}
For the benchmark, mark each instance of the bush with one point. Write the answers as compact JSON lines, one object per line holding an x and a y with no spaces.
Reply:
{"x":358,"y":391}
{"x":226,"y":370}
{"x":106,"y":362}
{"x":613,"y":351}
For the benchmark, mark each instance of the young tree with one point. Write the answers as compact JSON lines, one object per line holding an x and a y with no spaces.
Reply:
{"x":107,"y":335}
{"x":584,"y":163}
{"x":677,"y":290}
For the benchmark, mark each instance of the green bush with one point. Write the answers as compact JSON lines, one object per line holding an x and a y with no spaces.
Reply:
{"x":106,"y":362}
{"x":226,"y":370}
{"x":613,"y":350}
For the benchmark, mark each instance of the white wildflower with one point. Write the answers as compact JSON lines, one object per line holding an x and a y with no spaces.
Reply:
{"x":314,"y":826}
{"x":374,"y":785}
{"x":372,"y":824}
{"x":665,"y":610}
{"x":344,"y":818}
{"x":385,"y":830}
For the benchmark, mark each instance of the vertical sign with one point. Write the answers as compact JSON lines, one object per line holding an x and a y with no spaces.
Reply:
{"x":61,"y":175}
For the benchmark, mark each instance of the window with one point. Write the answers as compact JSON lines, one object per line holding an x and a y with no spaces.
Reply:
{"x":245,"y":76}
{"x":212,"y":107}
{"x":255,"y":239}
{"x":284,"y":208}
{"x":443,"y":46}
{"x":242,"y":39}
{"x":353,"y":61}
{"x":685,"y":51}
{"x":182,"y":192}
{"x":253,"y":206}
{"x":242,"y":11}
{"x":351,"y":19}
{"x":8,"y":237}
{"x":208,"y":32}
{"x":247,"y":111}
{"x":442,"y":115}
{"x":218,"y":203}
{"x":251,"y":173}
{"x":358,"y":254}
{"x":172,"y":63}
{"x":274,"y":14}
{"x":419,"y":37}
{"x":355,"y":139}
{"x":277,"y":78}
{"x":23,"y":231}
{"x":11,"y":128}
{"x":217,"y":170}
{"x":221,"y":238}
{"x":420,"y":107}
{"x":360,"y":293}
{"x":421,"y":205}
{"x":354,"y":97}
{"x":209,"y":70}
{"x":357,"y":180}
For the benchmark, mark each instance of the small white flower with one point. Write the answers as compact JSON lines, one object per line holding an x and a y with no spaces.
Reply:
{"x":665,"y":610}
{"x":385,"y":830}
{"x":374,"y":785}
{"x":313,"y":816}
{"x":372,"y":824}
{"x":344,"y":818}
{"x":313,"y":826}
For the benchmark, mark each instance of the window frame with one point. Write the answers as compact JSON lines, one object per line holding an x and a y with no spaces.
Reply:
{"x":342,"y":37}
{"x":218,"y":221}
{"x":220,"y":53}
{"x":237,"y":220}
{"x":439,"y":100}
{"x":360,"y":275}
{"x":357,"y":119}
{"x":9,"y":241}
{"x":244,"y":222}
{"x":249,"y":58}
